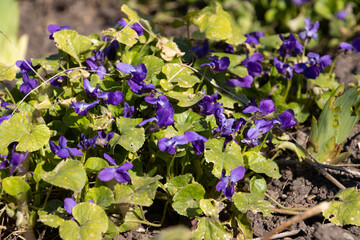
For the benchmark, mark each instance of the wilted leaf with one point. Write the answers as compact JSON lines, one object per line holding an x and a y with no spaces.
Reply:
{"x":169,"y":49}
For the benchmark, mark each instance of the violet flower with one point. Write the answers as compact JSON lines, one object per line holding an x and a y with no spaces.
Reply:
{"x":53,"y":28}
{"x":208,"y":104}
{"x":62,"y":150}
{"x":253,"y":65}
{"x":216,"y":64}
{"x":90,"y":90}
{"x":103,"y":138}
{"x":128,"y":110}
{"x":138,"y":74}
{"x":253,"y":38}
{"x":290,"y":46}
{"x":283,"y":68}
{"x":300,"y":2}
{"x":261,"y":126}
{"x":28,"y":84}
{"x":312,"y":68}
{"x":286,"y":119}
{"x":110,"y":51}
{"x":95,"y":63}
{"x":341,"y":14}
{"x":82,"y":108}
{"x":118,"y":172}
{"x":266,"y":106}
{"x":113,"y":98}
{"x":170,"y":144}
{"x":201,"y":50}
{"x":244,"y":82}
{"x":5,"y":117}
{"x":310,"y":30}
{"x":4,"y":104}
{"x":57,"y":81}
{"x":136,"y":26}
{"x":354,"y":46}
{"x":197,"y":141}
{"x":13,"y":161}
{"x":25,"y":66}
{"x":86,"y":143}
{"x":164,"y":111}
{"x":227,"y":183}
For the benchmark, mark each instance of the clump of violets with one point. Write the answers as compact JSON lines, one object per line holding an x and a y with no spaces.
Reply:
{"x":53,"y":28}
{"x":164,"y":111}
{"x":13,"y":160}
{"x":62,"y":150}
{"x":283,"y":68}
{"x":253,"y":38}
{"x":216,"y":64}
{"x":315,"y":64}
{"x":310,"y":30}
{"x":290,"y":46}
{"x":118,"y":172}
{"x":201,"y":50}
{"x":82,"y":108}
{"x":28,"y":82}
{"x":227,"y":183}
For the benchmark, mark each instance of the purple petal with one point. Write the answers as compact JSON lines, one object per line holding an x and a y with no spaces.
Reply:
{"x":125,"y":67}
{"x":62,"y":142}
{"x":63,"y":153}
{"x":69,"y":203}
{"x":107,"y":174}
{"x":229,"y":190}
{"x":110,"y":159}
{"x":122,"y":176}
{"x":125,"y":167}
{"x":75,"y":152}
{"x":237,"y":174}
{"x":54,"y":148}
{"x":221,"y":185}
{"x":266,"y":106}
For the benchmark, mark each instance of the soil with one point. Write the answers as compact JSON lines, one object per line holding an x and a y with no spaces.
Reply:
{"x":299,"y":186}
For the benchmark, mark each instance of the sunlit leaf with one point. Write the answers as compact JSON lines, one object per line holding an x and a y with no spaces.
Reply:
{"x":6,"y":72}
{"x":68,"y":174}
{"x":178,"y":182}
{"x":252,"y":202}
{"x":259,"y":164}
{"x":131,"y":137}
{"x":101,"y":196}
{"x":186,"y":98}
{"x":209,"y":228}
{"x":187,"y":200}
{"x":181,"y":75}
{"x":17,"y":187}
{"x":19,"y":128}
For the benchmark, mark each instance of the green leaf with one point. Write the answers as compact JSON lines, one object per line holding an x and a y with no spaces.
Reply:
{"x":68,"y":174}
{"x":142,"y":193}
{"x":209,"y":228}
{"x":244,"y":224}
{"x":51,"y":220}
{"x":17,"y":187}
{"x":258,"y":185}
{"x":189,"y":121}
{"x":187,"y":200}
{"x":92,"y":222}
{"x":127,"y":36}
{"x":6,"y":72}
{"x":19,"y":128}
{"x":130,"y":13}
{"x":169,"y":49}
{"x":300,"y":153}
{"x":178,"y":182}
{"x":95,"y":164}
{"x":347,"y":210}
{"x":73,"y":120}
{"x":153,"y":65}
{"x":132,"y":137}
{"x":252,"y":202}
{"x":101,"y":196}
{"x":223,"y":160}
{"x":181,"y":75}
{"x":73,"y":44}
{"x":186,"y":98}
{"x":49,"y":63}
{"x":131,"y":220}
{"x":211,"y":207}
{"x":259,"y":164}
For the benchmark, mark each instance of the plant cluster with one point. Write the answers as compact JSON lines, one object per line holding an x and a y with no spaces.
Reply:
{"x":115,"y":121}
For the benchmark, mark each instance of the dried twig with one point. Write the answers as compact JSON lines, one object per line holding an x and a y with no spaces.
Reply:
{"x":311,"y":212}
{"x":282,"y":235}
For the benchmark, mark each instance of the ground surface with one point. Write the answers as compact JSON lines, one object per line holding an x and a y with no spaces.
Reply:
{"x":299,"y":186}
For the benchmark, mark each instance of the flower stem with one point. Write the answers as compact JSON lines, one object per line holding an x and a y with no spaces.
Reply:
{"x":8,"y":92}
{"x":170,"y":172}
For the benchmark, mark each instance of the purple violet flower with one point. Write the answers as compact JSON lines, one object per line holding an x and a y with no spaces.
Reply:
{"x":128,"y":110}
{"x":253,"y":65}
{"x":52,"y":28}
{"x":5,"y":117}
{"x":261,"y":126}
{"x":208,"y":104}
{"x":118,"y":172}
{"x":25,"y":66}
{"x":286,"y":119}
{"x":197,"y":141}
{"x":227,"y":183}
{"x":354,"y":47}
{"x":28,"y":84}
{"x":14,"y":160}
{"x":57,"y":81}
{"x":82,"y":108}
{"x":90,"y":90}
{"x":4,"y":104}
{"x":341,"y":14}
{"x":103,"y":138}
{"x":169,"y":144}
{"x":164,"y":111}
{"x":136,"y":26}
{"x":283,"y":68}
{"x":201,"y":50}
{"x":244,"y":82}
{"x":312,"y":68}
{"x":95,"y":63}
{"x":85,"y":143}
{"x":110,"y":51}
{"x":62,"y":150}
{"x":266,"y":106}
{"x":113,"y":98}
{"x":218,"y":65}
{"x":310,"y":30}
{"x":300,"y":2}
{"x":253,"y":38}
{"x":290,"y":46}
